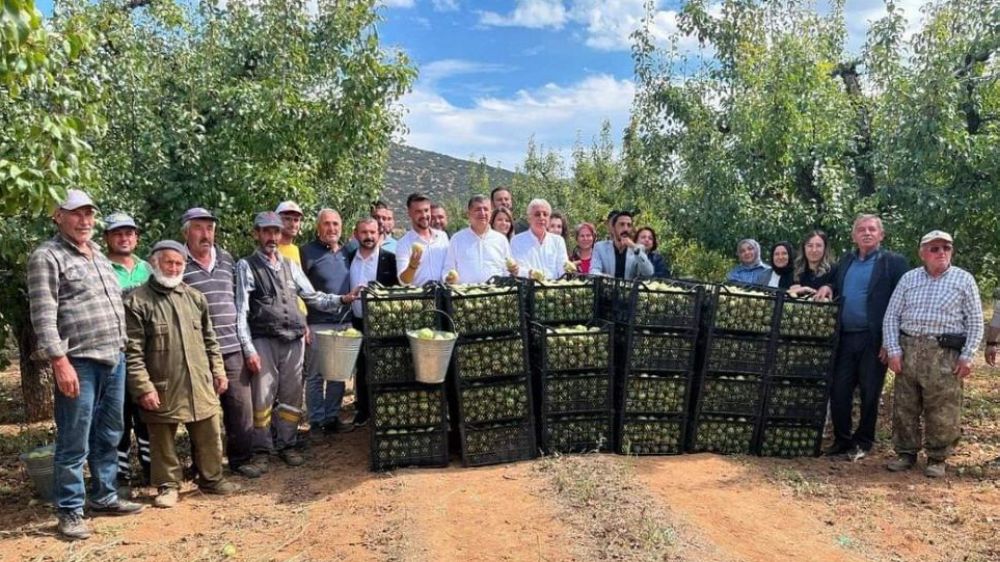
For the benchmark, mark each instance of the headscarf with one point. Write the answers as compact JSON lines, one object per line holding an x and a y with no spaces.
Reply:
{"x":787,"y":272}
{"x":752,"y":273}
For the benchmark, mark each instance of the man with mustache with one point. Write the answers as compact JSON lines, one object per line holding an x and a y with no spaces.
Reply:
{"x":175,"y":374}
{"x":864,"y":279}
{"x":271,"y":329}
{"x":78,"y":317}
{"x":386,"y":219}
{"x":421,"y":251}
{"x":622,"y":256}
{"x":212,"y":271}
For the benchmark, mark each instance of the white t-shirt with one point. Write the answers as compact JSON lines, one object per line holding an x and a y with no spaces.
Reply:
{"x":431,"y":262}
{"x":548,"y":256}
{"x":475,"y":257}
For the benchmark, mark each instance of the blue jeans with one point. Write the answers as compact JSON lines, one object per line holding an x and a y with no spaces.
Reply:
{"x":323,"y":398}
{"x":88,"y":428}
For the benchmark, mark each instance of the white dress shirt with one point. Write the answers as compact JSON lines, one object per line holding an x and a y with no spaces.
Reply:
{"x":363,"y":272}
{"x":431,"y":262}
{"x":475,"y":257}
{"x":548,"y":256}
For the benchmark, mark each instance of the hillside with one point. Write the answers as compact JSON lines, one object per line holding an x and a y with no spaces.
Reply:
{"x":441,"y":177}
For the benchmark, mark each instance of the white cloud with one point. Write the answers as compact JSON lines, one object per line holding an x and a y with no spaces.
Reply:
{"x":398,"y":3}
{"x":499,"y":127}
{"x":445,"y":5}
{"x":534,"y":14}
{"x":432,"y":72}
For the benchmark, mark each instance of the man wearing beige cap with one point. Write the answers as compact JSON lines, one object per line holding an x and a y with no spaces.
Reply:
{"x":932,"y":328}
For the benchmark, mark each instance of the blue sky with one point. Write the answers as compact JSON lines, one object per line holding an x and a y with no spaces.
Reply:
{"x":494,"y":73}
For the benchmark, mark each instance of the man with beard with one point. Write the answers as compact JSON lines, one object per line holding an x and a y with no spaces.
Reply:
{"x":477,"y":253}
{"x":271,"y":329}
{"x":78,"y":317}
{"x":621,"y":257}
{"x":421,"y":251}
{"x":175,"y":374}
{"x":121,"y":236}
{"x":325,"y":263}
{"x":439,"y":217}
{"x":370,"y":263}
{"x":538,"y":254}
{"x":212,"y":271}
{"x":386,"y":223}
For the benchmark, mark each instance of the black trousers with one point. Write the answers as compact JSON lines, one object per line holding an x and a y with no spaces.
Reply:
{"x":133,"y":423}
{"x":857,"y":366}
{"x":361,"y":378}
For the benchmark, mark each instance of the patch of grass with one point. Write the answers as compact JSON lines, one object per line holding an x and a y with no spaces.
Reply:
{"x":800,"y":484}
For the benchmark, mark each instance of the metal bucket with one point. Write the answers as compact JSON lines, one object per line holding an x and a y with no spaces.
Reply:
{"x":431,"y":357}
{"x":41,"y":470}
{"x":337,"y":355}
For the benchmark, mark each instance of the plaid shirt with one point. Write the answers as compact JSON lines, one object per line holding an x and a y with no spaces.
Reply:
{"x":923,"y":305}
{"x":76,"y":304}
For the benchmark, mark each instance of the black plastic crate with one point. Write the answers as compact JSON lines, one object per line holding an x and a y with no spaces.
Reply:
{"x":490,"y":358}
{"x":797,"y":398}
{"x":577,"y":433}
{"x":392,"y":311}
{"x":557,"y":349}
{"x":804,"y":360}
{"x":498,"y":443}
{"x":737,"y":354}
{"x":414,"y":406}
{"x":495,"y":402}
{"x":566,"y":301}
{"x":411,"y":447}
{"x":576,"y":393}
{"x":791,"y":438}
{"x":612,"y":298}
{"x":653,"y":350}
{"x":731,"y":394}
{"x":665,"y":304}
{"x":650,"y":435}
{"x":744,"y":309}
{"x":723,"y":434}
{"x":495,"y":308}
{"x":388,"y":361}
{"x":808,"y":319}
{"x":646,"y":393}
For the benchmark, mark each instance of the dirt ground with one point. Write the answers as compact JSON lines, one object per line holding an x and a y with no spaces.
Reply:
{"x":586,"y":507}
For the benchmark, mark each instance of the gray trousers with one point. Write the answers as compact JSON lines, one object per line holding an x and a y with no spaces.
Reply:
{"x":277,"y":394}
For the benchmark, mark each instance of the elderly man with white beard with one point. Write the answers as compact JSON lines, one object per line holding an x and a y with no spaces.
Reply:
{"x":175,"y":373}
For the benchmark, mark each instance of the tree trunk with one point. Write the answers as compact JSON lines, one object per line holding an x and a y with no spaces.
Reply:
{"x":37,"y":384}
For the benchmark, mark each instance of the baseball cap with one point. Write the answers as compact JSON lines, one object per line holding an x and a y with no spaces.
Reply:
{"x":267,"y":219}
{"x":935,"y":235}
{"x":169,"y":245}
{"x":114,"y":221}
{"x":288,"y":207}
{"x":76,"y":199}
{"x":197,"y":213}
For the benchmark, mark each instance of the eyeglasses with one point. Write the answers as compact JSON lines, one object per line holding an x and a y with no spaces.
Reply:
{"x":938,"y":249}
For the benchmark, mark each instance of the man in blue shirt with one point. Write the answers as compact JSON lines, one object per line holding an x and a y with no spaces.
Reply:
{"x":864,"y":279}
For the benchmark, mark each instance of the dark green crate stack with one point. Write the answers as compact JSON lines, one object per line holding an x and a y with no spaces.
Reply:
{"x":658,"y":328}
{"x":490,"y":375}
{"x":409,"y":419}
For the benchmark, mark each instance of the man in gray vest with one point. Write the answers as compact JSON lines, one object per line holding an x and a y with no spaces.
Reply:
{"x":271,"y":328}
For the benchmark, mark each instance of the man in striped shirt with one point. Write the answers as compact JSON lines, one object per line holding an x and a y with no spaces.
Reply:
{"x":932,"y":328}
{"x":211,"y":270}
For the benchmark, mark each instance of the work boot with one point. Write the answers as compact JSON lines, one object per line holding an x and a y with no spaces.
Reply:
{"x":167,"y":497}
{"x":292,"y":457}
{"x":223,"y":488}
{"x":904,"y":461}
{"x":261,"y":461}
{"x":72,"y":526}
{"x":857,"y":453}
{"x":338,"y":426}
{"x":837,"y":449}
{"x":120,"y":507}
{"x":247,"y":470}
{"x":935,"y":468}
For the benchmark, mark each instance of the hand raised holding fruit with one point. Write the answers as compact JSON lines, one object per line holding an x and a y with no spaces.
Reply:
{"x":451,"y":277}
{"x":416,"y":253}
{"x":569,"y":267}
{"x":512,"y":267}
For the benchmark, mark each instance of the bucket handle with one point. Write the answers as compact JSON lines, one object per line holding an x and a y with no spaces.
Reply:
{"x":438,"y":310}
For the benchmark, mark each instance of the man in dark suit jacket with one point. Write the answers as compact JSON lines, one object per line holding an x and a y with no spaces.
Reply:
{"x":864,"y":280}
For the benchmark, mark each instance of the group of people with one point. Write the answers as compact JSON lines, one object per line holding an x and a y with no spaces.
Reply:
{"x":193,"y":336}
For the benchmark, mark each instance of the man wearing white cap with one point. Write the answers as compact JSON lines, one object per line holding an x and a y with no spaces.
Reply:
{"x":291,"y":224}
{"x":932,"y":328}
{"x":77,"y":314}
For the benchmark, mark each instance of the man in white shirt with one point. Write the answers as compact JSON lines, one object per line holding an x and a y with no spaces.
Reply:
{"x":538,"y":253}
{"x":426,"y":262}
{"x":478,"y":252}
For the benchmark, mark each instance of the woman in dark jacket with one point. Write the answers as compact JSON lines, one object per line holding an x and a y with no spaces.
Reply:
{"x":782,"y":266}
{"x":647,"y":237}
{"x":814,"y":264}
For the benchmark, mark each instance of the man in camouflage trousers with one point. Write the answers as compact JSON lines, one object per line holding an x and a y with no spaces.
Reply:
{"x":932,"y":328}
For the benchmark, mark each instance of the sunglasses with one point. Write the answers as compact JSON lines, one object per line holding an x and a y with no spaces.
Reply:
{"x":938,"y":249}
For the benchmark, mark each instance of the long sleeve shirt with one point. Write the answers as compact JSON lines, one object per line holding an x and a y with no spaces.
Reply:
{"x":477,"y":258}
{"x":923,"y":305}
{"x":245,"y":285}
{"x":548,"y":255}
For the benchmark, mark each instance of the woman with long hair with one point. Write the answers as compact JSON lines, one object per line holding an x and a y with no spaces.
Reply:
{"x":559,"y":225}
{"x":647,"y":237}
{"x":586,"y":236}
{"x":503,"y":222}
{"x":813,"y":265}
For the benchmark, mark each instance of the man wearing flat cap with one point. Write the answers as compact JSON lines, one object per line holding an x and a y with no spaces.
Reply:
{"x":175,"y":373}
{"x":932,"y":328}
{"x":271,"y":328}
{"x":77,"y":314}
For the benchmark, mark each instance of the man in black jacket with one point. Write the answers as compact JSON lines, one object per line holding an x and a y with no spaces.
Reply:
{"x":864,"y":279}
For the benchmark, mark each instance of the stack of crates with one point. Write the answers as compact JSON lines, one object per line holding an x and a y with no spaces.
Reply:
{"x":660,"y":331}
{"x":797,"y":384}
{"x":409,"y":419}
{"x":490,"y":376}
{"x":733,"y":377}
